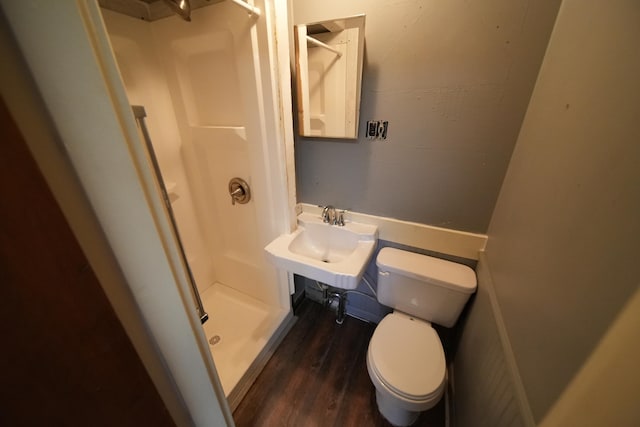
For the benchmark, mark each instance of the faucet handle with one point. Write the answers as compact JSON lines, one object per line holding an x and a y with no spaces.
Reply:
{"x":340,"y":217}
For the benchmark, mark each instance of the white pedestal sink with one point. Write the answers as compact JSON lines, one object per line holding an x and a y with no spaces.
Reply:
{"x":331,"y":254}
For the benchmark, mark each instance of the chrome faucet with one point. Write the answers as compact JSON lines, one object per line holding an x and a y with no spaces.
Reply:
{"x":332,"y":216}
{"x":329,"y":215}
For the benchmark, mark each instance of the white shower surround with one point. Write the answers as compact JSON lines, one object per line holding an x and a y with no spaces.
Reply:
{"x":200,"y":83}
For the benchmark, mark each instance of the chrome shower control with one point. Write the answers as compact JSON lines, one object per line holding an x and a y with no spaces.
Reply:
{"x":239,"y":191}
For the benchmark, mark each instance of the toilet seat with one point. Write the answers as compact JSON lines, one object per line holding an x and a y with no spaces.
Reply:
{"x":406,"y":355}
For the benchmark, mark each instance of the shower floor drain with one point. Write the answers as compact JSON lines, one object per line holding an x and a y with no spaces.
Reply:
{"x":214,"y":340}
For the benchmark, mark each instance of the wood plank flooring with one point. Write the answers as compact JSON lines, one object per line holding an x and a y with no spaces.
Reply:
{"x":318,"y":378}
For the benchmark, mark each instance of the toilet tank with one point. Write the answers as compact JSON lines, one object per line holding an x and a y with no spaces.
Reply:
{"x":428,"y":288}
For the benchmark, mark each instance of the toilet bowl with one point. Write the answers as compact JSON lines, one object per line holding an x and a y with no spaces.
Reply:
{"x":405,"y":358}
{"x":406,"y":364}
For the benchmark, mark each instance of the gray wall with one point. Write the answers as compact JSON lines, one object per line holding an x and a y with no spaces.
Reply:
{"x":365,"y":307}
{"x":453,"y":78}
{"x":486,"y":393}
{"x":563,"y":241}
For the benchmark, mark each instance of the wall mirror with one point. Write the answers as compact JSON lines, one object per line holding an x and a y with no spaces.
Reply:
{"x":329,"y":56}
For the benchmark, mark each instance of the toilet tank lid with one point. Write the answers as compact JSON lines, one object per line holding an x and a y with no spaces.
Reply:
{"x":423,"y":267}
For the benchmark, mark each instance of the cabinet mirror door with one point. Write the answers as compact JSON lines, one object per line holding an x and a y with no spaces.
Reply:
{"x":329,"y":56}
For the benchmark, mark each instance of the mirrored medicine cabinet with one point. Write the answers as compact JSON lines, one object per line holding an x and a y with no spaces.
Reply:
{"x":329,"y":57}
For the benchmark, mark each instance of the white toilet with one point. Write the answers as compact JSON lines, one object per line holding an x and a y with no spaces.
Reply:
{"x":405,"y":357}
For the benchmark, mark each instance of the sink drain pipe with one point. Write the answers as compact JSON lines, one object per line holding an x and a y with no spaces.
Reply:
{"x":336,"y":299}
{"x":341,"y":299}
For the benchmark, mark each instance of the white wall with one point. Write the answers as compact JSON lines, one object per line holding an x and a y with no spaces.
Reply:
{"x":199,"y":83}
{"x":135,"y":50}
{"x":214,"y":66}
{"x":563,"y":241}
{"x":453,"y":78}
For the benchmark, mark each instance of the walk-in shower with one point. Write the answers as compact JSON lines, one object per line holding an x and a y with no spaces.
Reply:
{"x":205,"y":89}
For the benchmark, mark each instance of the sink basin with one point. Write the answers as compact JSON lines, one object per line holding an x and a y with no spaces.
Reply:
{"x":331,"y":254}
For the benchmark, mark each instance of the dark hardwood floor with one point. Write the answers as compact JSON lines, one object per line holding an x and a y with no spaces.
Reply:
{"x":318,"y":377}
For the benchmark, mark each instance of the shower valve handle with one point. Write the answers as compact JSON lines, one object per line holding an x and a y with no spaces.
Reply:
{"x":239,"y":191}
{"x":236,"y":194}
